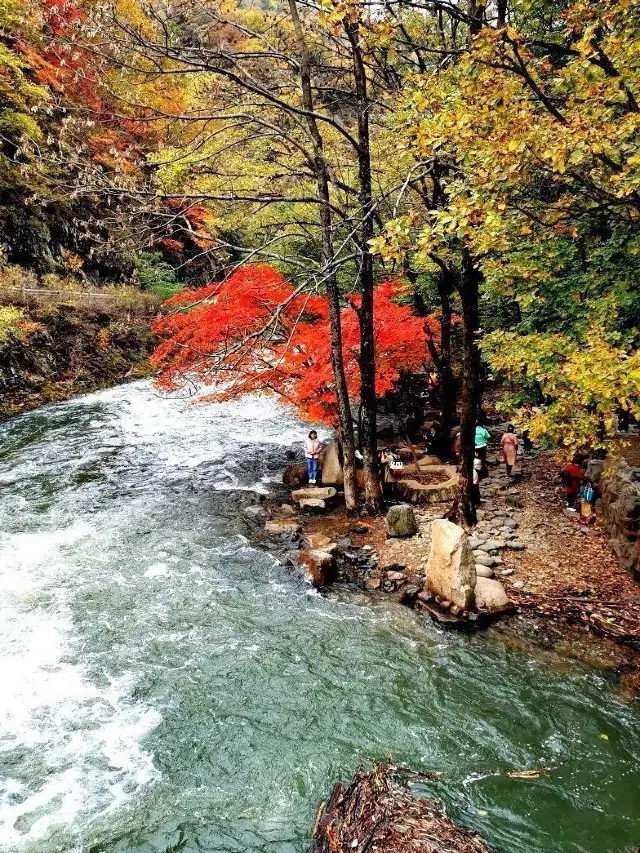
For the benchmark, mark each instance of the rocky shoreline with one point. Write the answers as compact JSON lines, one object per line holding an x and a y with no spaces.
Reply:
{"x":511,"y":548}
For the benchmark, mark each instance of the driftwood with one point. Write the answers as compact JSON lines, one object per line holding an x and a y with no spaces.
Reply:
{"x":378,"y":812}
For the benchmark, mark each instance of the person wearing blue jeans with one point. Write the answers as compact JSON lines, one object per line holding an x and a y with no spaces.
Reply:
{"x":312,"y":450}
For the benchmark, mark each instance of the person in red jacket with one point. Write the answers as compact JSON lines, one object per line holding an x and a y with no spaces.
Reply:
{"x":572,"y":476}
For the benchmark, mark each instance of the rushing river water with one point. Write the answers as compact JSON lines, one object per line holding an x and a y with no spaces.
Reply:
{"x":165,"y":686}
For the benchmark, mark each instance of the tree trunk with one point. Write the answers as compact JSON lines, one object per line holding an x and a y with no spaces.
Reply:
{"x":502,"y":13}
{"x":368,"y":437}
{"x":448,"y":391}
{"x":322,"y":180}
{"x":471,"y":390}
{"x":475,"y":10}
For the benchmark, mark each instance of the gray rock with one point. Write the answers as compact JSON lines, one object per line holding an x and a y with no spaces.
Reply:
{"x":282,"y":525}
{"x":312,"y":503}
{"x":505,"y":573}
{"x":516,"y":545}
{"x":401,"y":521}
{"x":483,"y":571}
{"x":593,"y":470}
{"x":482,"y":558}
{"x":491,"y":596}
{"x":314,"y":493}
{"x":493,"y":545}
{"x":510,"y":522}
{"x":256,"y":511}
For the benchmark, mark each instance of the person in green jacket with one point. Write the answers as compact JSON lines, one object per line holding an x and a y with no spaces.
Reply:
{"x":482,"y":439}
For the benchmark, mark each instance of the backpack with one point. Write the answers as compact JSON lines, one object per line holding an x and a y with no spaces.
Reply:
{"x":587,"y":493}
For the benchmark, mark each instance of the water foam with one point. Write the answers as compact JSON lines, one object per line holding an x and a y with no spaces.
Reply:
{"x":69,"y":747}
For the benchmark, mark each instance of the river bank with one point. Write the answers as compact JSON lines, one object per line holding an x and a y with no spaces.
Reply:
{"x":53,"y":352}
{"x":565,"y":588}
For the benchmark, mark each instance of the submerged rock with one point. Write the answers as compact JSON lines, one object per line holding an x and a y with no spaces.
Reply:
{"x":320,"y":565}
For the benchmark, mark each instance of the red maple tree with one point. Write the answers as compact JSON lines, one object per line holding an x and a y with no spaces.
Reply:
{"x":255,"y":332}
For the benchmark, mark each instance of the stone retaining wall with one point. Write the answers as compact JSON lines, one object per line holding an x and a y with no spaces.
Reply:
{"x":619,"y":511}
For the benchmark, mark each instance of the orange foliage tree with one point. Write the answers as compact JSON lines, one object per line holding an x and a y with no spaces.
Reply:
{"x":255,"y":332}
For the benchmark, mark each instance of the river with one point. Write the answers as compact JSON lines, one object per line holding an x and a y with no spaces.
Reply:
{"x":166,"y":686}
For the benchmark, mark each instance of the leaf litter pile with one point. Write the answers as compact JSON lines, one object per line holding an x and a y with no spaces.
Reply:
{"x":378,"y":812}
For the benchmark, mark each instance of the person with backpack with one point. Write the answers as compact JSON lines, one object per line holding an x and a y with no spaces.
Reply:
{"x":571,"y":477}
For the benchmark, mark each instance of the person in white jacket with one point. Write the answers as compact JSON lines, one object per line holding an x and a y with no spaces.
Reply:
{"x":312,"y":450}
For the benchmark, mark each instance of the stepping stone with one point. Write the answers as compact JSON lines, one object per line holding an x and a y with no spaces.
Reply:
{"x":493,"y":545}
{"x":482,"y":558}
{"x":483,"y":571}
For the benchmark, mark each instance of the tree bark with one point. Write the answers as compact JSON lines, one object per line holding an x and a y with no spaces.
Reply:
{"x":448,"y":391}
{"x":368,"y":436}
{"x":326,"y":226}
{"x":475,"y":10}
{"x":471,"y":389}
{"x":502,"y":13}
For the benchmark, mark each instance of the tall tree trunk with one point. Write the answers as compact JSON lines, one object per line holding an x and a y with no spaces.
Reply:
{"x":368,"y":437}
{"x":448,"y":395}
{"x":471,"y":390}
{"x":502,"y":13}
{"x":475,"y":10}
{"x":446,"y":282}
{"x":326,"y":226}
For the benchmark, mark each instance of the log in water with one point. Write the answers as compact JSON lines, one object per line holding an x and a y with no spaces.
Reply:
{"x":167,"y":686}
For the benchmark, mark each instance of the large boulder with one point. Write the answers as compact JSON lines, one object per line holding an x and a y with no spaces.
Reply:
{"x":401,"y":521}
{"x":320,"y":566}
{"x":491,"y":596}
{"x":593,"y":469}
{"x":331,"y":467}
{"x":451,"y":570}
{"x":295,"y":475}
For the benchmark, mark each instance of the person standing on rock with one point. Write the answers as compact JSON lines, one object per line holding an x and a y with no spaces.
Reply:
{"x":509,"y":447}
{"x":312,"y":450}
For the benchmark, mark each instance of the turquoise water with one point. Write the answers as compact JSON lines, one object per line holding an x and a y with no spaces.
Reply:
{"x":168,"y":687}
